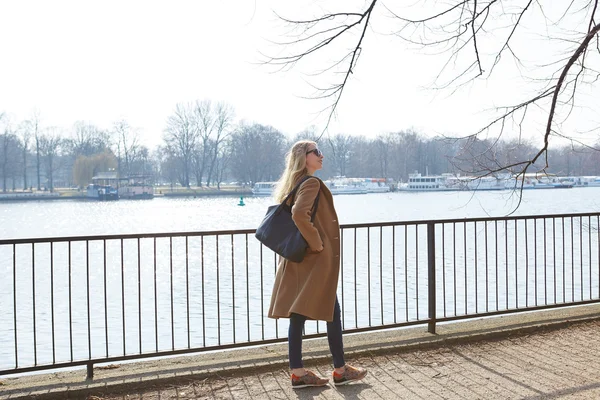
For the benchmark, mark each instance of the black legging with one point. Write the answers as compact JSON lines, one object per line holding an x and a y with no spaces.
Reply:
{"x":334,"y":337}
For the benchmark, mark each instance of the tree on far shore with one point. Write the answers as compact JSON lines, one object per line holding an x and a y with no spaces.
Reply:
{"x":86,"y":167}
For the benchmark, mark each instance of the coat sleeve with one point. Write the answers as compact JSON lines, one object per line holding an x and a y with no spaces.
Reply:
{"x":301,"y":212}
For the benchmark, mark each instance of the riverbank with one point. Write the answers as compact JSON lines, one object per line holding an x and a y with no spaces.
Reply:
{"x":202,"y":191}
{"x":29,"y":195}
{"x":160,"y":191}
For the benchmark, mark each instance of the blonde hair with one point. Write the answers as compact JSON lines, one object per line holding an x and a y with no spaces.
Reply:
{"x":295,"y":168}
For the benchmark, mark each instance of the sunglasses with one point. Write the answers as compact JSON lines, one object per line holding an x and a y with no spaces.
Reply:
{"x":317,"y":152}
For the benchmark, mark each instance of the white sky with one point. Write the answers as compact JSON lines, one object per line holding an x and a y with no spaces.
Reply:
{"x":105,"y":60}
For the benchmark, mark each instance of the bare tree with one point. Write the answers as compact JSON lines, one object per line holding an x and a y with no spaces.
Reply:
{"x":141,"y":163}
{"x":181,"y":139}
{"x":33,"y":126}
{"x":205,"y":125}
{"x":170,"y":167}
{"x":50,"y":149}
{"x":4,"y":142}
{"x":223,"y":162}
{"x":340,"y":148}
{"x":126,"y":142}
{"x":249,"y":145}
{"x":310,"y":133}
{"x":405,"y":153}
{"x":25,"y":133}
{"x":224,"y":114}
{"x":478,"y":38}
{"x":9,"y":147}
{"x":87,"y":139}
{"x":382,"y":154}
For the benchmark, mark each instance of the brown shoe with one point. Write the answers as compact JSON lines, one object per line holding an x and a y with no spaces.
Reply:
{"x":350,"y":374}
{"x":310,"y":379}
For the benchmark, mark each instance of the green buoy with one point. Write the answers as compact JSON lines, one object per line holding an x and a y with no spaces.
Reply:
{"x":241,"y":203}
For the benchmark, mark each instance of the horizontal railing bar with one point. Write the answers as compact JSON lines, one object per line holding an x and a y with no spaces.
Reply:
{"x":511,"y":218}
{"x":250,"y":231}
{"x":128,"y":236}
{"x":465,"y":220}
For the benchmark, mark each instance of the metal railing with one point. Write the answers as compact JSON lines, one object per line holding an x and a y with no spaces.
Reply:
{"x":76,"y":301}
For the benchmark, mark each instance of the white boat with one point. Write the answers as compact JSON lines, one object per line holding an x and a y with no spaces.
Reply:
{"x":101,"y":192}
{"x":345,"y":189}
{"x":533,"y":181}
{"x":136,"y":187}
{"x":372,"y":185}
{"x":582,"y":181}
{"x":263,"y":188}
{"x":450,"y":182}
{"x":546,"y":185}
{"x":134,"y":192}
{"x":102,"y":187}
{"x":486,"y":183}
{"x":432,"y":183}
{"x":342,"y":185}
{"x":337,"y":185}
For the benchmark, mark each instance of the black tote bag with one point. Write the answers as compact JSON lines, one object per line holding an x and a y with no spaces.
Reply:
{"x":278,"y":231}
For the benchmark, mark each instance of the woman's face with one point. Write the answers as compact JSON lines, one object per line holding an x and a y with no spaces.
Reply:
{"x":314,"y":158}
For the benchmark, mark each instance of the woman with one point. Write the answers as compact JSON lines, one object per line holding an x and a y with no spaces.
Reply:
{"x":307,"y":290}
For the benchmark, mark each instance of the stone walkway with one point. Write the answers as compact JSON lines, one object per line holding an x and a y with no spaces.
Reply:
{"x":552,"y":364}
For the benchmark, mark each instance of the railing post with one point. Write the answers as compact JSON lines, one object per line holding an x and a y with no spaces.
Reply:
{"x":431,"y":275}
{"x":90,"y":371}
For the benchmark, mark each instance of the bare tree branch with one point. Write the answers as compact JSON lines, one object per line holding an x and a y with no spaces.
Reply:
{"x":510,"y":36}
{"x":334,"y":91}
{"x":476,"y":37}
{"x":574,"y":58}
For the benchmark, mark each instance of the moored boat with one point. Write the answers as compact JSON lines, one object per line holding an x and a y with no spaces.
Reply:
{"x":102,"y":187}
{"x":101,"y":192}
{"x":342,"y":185}
{"x":263,"y":188}
{"x":432,"y":183}
{"x":136,"y":187}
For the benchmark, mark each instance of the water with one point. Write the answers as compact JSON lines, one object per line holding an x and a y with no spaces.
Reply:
{"x":197,"y":298}
{"x":72,"y":218}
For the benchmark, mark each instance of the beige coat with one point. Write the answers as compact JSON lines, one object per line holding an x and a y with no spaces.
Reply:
{"x":309,"y":287}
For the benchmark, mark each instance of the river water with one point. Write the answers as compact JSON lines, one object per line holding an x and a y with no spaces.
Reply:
{"x":72,"y":218}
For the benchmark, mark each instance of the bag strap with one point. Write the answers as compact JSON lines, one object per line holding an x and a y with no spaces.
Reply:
{"x":313,"y":210}
{"x":295,"y":189}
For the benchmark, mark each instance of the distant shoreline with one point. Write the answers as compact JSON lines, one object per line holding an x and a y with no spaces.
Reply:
{"x":69,"y":194}
{"x":206,"y":193}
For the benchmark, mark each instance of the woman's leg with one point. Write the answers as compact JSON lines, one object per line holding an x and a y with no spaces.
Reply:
{"x":295,"y":340}
{"x":300,"y":377}
{"x":342,"y":373}
{"x":334,"y":336}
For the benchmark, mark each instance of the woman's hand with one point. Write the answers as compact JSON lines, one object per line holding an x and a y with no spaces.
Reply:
{"x":311,"y":251}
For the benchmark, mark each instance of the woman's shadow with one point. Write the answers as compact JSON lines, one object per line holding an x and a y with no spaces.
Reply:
{"x":347,"y":391}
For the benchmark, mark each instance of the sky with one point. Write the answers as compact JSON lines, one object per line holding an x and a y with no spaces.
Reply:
{"x":135,"y":60}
